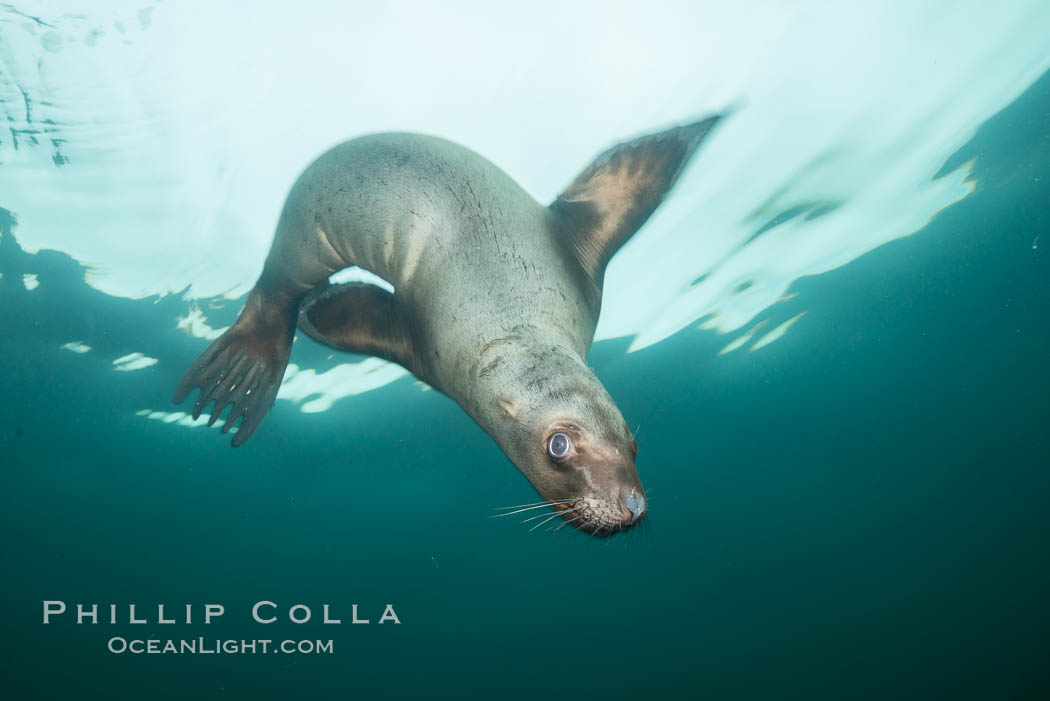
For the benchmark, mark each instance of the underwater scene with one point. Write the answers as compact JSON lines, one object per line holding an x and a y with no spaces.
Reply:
{"x":589,"y":349}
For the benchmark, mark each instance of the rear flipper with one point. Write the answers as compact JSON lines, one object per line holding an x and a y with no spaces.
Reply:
{"x":244,"y":366}
{"x":359,"y":318}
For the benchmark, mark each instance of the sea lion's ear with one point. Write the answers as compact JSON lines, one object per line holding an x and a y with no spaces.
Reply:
{"x":616,"y":194}
{"x":509,"y":407}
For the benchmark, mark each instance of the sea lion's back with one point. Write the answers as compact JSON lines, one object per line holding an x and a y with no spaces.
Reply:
{"x":382,"y":199}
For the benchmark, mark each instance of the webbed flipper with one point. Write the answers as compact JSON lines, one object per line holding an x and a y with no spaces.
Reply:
{"x":244,"y":366}
{"x":615,"y":195}
{"x":359,"y":317}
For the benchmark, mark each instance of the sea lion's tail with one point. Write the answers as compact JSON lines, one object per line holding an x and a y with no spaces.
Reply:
{"x":243,"y":367}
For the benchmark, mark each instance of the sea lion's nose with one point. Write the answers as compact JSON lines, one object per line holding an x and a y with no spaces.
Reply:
{"x":636,"y":505}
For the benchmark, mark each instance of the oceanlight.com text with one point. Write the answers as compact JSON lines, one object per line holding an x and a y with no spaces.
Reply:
{"x":215,"y":646}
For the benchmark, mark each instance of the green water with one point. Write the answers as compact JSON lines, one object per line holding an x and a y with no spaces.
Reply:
{"x":857,"y":511}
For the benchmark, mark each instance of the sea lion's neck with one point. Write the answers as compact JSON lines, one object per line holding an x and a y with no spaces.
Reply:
{"x":516,"y":379}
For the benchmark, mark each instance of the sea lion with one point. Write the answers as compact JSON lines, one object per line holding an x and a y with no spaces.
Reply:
{"x":495,"y":300}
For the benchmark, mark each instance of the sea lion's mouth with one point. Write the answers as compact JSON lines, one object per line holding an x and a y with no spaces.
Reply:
{"x":595,"y":517}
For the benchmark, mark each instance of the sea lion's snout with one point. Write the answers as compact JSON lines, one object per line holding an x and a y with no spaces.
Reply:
{"x":601,"y":516}
{"x":589,"y":476}
{"x":635,"y":503}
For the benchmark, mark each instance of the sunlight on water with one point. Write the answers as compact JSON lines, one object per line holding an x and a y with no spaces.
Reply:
{"x":133,"y":361}
{"x":318,"y":391}
{"x":196,"y":324}
{"x":170,"y":134}
{"x":77,"y":347}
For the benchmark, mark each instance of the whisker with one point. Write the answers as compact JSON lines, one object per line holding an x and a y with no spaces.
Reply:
{"x":558,"y":526}
{"x":566,"y":523}
{"x":556,"y":513}
{"x":535,"y":503}
{"x":634,"y":534}
{"x":530,"y":508}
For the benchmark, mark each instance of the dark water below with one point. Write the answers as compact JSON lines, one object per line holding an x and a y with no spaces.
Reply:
{"x":860,"y":510}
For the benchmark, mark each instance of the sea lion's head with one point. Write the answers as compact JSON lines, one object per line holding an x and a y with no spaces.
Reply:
{"x":587,"y":474}
{"x":568,"y":438}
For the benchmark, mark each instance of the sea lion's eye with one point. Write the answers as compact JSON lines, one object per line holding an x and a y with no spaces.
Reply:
{"x":558,"y":446}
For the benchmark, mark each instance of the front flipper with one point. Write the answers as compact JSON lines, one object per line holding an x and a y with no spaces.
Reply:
{"x":358,"y":317}
{"x":244,"y":366}
{"x":615,"y":195}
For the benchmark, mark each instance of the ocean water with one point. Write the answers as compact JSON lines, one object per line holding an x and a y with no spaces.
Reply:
{"x":833,"y":341}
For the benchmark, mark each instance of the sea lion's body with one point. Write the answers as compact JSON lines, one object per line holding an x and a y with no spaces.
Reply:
{"x":457,"y":238}
{"x":496,"y":298}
